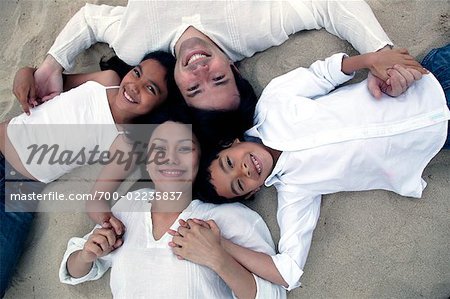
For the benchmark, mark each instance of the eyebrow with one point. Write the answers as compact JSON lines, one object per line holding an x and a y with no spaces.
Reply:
{"x":231,"y":184}
{"x":151,"y":81}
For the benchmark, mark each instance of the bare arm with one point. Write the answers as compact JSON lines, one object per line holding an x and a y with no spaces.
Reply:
{"x":257,"y":262}
{"x":202,"y":246}
{"x":109,"y":180}
{"x":106,"y":78}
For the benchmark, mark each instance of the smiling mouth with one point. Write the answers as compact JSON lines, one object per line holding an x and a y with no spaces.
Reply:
{"x":129,"y":98}
{"x":196,"y":56}
{"x":172,"y":172}
{"x":256,"y":163}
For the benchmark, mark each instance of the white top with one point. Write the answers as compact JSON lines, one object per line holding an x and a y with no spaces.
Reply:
{"x":342,"y":141}
{"x":239,"y":28}
{"x":77,"y":121}
{"x":144,"y":266}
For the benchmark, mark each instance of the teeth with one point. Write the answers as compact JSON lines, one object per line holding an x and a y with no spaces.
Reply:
{"x":195,"y":57}
{"x":172,"y":172}
{"x":255,"y":162}
{"x":127,"y":96}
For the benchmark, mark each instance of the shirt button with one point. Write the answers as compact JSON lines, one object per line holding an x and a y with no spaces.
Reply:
{"x":12,"y":172}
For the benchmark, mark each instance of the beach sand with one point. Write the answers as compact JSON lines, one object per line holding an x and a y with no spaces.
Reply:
{"x":371,"y":244}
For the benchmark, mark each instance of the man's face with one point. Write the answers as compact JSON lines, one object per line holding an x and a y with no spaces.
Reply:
{"x":240,"y":169}
{"x":204,"y":76}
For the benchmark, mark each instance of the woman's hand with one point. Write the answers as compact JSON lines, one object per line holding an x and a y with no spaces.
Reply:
{"x":197,"y":243}
{"x":108,"y":220}
{"x":100,"y":243}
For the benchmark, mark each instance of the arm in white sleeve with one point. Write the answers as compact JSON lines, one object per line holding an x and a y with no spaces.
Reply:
{"x":297,"y":218}
{"x":99,"y":267}
{"x":353,"y":21}
{"x":246,"y":228}
{"x":319,"y":79}
{"x":91,"y":24}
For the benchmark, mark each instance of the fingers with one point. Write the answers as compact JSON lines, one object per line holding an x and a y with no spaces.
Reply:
{"x":202,"y":223}
{"x":397,"y":83}
{"x":416,"y":74}
{"x":406,"y":74}
{"x":107,"y":234}
{"x":374,"y":84}
{"x":50,"y":96}
{"x":117,"y":225}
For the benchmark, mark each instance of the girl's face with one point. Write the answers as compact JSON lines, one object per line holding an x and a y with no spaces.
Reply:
{"x":181,"y":157}
{"x":143,"y":88}
{"x":240,"y":169}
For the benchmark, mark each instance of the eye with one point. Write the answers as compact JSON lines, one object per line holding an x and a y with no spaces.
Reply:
{"x":241,"y":186}
{"x":218,"y":78}
{"x":160,"y":148}
{"x":136,"y":72}
{"x":185,"y":149}
{"x":229,"y":162}
{"x":192,"y":88}
{"x":151,"y":89}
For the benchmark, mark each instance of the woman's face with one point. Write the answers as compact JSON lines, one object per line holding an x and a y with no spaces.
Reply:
{"x":176,"y":171}
{"x":143,"y":88}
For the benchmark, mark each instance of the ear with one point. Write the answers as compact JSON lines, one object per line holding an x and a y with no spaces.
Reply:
{"x":252,"y":193}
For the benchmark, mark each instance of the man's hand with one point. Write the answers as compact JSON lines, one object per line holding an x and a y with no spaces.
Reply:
{"x":400,"y":79}
{"x":32,"y":86}
{"x":24,"y":88}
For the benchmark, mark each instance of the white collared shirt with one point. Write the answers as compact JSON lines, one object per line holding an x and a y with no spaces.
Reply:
{"x":239,"y":28}
{"x":341,"y":141}
{"x":144,"y":267}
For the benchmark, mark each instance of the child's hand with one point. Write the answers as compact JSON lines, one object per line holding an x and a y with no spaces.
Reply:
{"x":384,"y":60}
{"x":100,"y":243}
{"x":108,"y":220}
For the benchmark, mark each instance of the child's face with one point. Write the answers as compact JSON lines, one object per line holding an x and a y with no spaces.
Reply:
{"x":181,"y":154}
{"x":240,"y":169}
{"x":143,"y":88}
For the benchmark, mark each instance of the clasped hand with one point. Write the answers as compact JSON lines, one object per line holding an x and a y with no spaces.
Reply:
{"x":392,"y":72}
{"x":198,"y":241}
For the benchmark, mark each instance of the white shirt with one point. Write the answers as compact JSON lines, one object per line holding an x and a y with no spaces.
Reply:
{"x":341,"y":141}
{"x":71,"y":130}
{"x":144,"y":267}
{"x":239,"y":28}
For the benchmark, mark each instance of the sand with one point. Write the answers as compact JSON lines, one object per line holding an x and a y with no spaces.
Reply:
{"x":367,"y":244}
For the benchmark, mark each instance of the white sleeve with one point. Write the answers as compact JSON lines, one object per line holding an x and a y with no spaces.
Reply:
{"x":99,"y":267}
{"x":319,"y":79}
{"x":91,"y":24}
{"x":352,"y":20}
{"x":297,"y":218}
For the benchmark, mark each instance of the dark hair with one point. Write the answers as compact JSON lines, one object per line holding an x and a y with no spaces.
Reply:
{"x":219,"y":126}
{"x":167,"y":61}
{"x":204,"y":189}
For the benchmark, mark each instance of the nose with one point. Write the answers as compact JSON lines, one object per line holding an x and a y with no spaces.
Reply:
{"x":133,"y":87}
{"x":172,"y":157}
{"x":200,"y":69}
{"x":245,"y":169}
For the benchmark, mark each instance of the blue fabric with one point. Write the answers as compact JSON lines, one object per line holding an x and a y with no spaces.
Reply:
{"x":437,"y":61}
{"x":14,"y":226}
